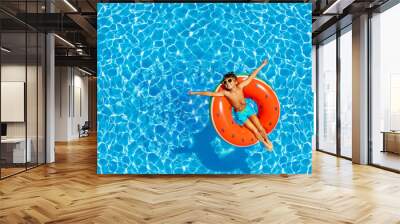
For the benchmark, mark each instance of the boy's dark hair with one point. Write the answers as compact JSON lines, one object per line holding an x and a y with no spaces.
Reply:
{"x":229,"y":75}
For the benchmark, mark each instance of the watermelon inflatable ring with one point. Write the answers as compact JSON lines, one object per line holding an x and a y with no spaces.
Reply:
{"x":268,"y":113}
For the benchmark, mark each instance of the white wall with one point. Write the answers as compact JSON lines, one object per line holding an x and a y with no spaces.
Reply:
{"x":70,"y":83}
{"x":81,"y":84}
{"x":62,"y":82}
{"x":14,"y":72}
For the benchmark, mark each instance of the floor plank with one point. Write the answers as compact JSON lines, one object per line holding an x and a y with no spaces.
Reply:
{"x":69,"y":191}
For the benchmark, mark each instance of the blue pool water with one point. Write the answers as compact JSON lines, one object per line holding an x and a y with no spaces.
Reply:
{"x":151,"y":55}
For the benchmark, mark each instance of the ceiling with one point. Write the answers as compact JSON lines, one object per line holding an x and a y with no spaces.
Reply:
{"x":74,"y":22}
{"x":329,"y":16}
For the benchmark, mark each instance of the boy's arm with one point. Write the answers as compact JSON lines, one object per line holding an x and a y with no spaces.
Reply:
{"x":253,"y":74}
{"x":207,"y":93}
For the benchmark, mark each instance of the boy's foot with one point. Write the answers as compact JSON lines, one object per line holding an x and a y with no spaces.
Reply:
{"x":265,"y":136}
{"x":268,"y":141}
{"x":268,"y":145}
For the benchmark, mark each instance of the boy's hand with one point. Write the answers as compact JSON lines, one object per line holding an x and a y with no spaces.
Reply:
{"x":265,"y":62}
{"x":190,"y":92}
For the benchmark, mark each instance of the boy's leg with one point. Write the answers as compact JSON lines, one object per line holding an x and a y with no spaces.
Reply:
{"x":248,"y":124}
{"x":260,"y":128}
{"x":254,"y":119}
{"x":258,"y":125}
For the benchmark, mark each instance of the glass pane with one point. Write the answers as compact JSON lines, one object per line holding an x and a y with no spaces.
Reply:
{"x":41,"y":99}
{"x":385,"y":83}
{"x":13,"y":86}
{"x":346,"y":93}
{"x":22,"y":63}
{"x":327,"y":96}
{"x":31,"y":98}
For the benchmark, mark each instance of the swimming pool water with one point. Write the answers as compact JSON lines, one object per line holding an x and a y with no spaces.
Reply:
{"x":149,"y":57}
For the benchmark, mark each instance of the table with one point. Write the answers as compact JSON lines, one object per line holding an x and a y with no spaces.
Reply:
{"x":391,"y":141}
{"x":13,"y":150}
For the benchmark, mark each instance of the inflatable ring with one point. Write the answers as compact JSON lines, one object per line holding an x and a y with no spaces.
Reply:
{"x":268,"y":113}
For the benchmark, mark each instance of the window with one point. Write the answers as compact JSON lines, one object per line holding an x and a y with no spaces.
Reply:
{"x":385,"y":89}
{"x":327,"y":96}
{"x":346,"y":93}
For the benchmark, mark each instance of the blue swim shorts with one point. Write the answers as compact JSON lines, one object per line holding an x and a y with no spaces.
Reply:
{"x":242,"y":116}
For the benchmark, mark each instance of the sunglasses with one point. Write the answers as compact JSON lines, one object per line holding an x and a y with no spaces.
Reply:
{"x":226,"y":81}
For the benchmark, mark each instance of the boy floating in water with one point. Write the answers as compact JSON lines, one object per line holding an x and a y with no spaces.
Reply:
{"x":244,"y":113}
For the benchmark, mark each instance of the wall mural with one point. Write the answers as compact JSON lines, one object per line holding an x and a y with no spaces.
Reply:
{"x":204,"y":88}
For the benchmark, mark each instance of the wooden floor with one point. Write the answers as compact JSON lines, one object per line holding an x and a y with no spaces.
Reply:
{"x":69,"y":191}
{"x":387,"y":159}
{"x":9,"y":171}
{"x":5,"y":172}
